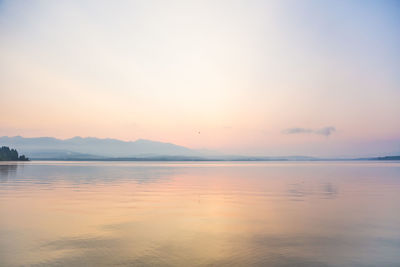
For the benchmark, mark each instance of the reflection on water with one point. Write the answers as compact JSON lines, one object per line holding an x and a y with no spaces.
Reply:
{"x":7,"y":170}
{"x":185,"y":214}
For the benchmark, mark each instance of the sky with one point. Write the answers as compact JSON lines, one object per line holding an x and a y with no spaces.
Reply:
{"x":318,"y":78}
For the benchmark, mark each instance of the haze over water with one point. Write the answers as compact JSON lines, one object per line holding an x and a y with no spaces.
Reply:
{"x":197,"y":214}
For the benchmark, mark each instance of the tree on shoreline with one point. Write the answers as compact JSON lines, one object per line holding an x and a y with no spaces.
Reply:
{"x":7,"y":154}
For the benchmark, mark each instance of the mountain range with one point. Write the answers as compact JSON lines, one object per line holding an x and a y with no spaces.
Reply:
{"x":91,"y":148}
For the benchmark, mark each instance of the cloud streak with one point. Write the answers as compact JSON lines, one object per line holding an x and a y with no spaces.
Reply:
{"x":326,"y":131}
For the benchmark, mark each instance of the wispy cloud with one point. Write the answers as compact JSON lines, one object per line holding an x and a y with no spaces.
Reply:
{"x":326,"y":131}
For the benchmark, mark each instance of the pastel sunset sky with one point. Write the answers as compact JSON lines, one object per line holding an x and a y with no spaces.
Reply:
{"x":317,"y":78}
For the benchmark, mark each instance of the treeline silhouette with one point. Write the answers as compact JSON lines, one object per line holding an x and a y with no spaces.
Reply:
{"x":11,"y":154}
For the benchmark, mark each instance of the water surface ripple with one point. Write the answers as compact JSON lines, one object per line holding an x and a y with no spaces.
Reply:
{"x":200,"y":214}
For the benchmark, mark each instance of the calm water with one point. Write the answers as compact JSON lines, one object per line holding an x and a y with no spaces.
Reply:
{"x":196,"y":214}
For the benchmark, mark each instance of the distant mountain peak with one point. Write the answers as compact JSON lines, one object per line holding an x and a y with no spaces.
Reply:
{"x":105,"y":147}
{"x":75,"y":138}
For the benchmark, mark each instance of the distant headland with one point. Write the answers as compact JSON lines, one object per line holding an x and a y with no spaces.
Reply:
{"x":7,"y":154}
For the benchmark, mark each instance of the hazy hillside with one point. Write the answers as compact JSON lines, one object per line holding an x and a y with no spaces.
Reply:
{"x":43,"y":147}
{"x":91,"y":148}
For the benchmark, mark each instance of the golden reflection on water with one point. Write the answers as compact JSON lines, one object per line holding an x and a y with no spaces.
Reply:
{"x":184,"y":214}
